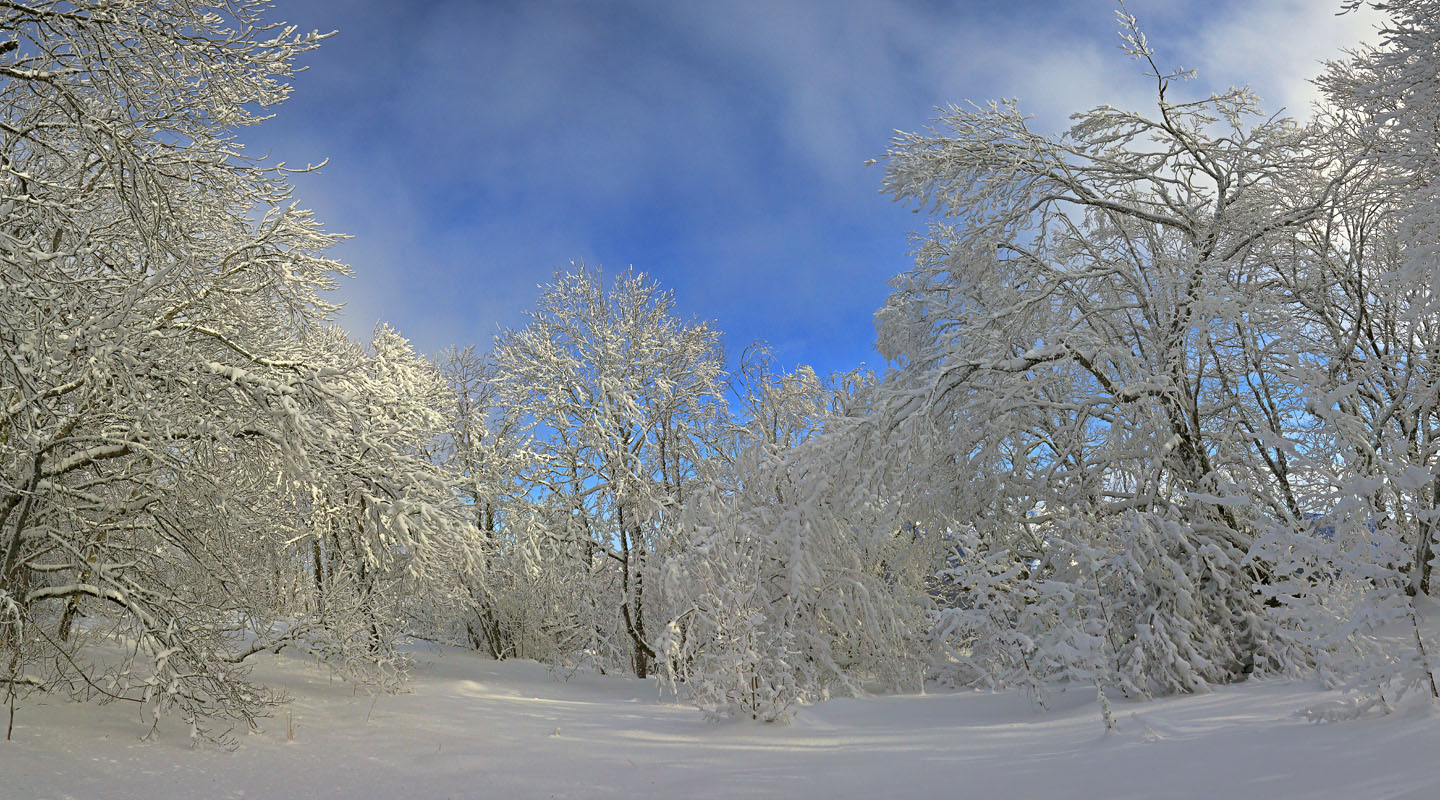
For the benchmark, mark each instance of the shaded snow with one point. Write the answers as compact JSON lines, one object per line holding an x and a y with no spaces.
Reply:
{"x":469,"y":727}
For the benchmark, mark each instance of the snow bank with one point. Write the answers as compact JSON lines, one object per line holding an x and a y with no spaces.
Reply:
{"x":470,"y":727}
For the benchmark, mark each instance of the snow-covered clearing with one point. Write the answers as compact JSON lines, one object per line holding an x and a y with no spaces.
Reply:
{"x":470,"y":727}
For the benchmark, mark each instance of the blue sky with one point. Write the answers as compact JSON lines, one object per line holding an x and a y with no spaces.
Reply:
{"x":477,"y":147}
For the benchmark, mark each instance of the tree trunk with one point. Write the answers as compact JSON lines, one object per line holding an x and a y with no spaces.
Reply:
{"x":318,"y":568}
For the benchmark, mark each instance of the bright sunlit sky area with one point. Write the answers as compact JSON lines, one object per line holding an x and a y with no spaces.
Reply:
{"x":477,"y":147}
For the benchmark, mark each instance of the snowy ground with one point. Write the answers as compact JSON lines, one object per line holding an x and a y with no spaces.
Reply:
{"x":469,"y":727}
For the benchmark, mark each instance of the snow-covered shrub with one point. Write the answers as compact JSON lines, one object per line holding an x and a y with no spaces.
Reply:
{"x":1126,"y":602}
{"x":784,"y":593}
{"x":1342,"y":606}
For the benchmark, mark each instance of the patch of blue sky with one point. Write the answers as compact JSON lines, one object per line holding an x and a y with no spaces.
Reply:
{"x":478,"y":147}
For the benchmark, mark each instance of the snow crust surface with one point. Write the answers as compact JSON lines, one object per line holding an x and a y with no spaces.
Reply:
{"x":472,"y":728}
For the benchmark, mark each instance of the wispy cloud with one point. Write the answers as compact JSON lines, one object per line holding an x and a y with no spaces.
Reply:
{"x":477,"y":147}
{"x":1277,"y":47}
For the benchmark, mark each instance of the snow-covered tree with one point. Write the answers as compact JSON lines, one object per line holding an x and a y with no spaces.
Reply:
{"x":1352,"y":591}
{"x":784,"y":591}
{"x":1097,"y":354}
{"x":177,"y":424}
{"x":387,"y":539}
{"x":507,"y":596}
{"x":621,"y":401}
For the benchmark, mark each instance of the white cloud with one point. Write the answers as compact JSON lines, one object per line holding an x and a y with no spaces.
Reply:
{"x":503,"y":140}
{"x":1278,"y":46}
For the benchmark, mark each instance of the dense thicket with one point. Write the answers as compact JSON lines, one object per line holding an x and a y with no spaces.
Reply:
{"x":191,"y":461}
{"x":1160,"y":413}
{"x":1170,"y":375}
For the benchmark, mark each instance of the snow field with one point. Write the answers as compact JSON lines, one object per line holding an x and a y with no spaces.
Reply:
{"x":468,"y":727}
